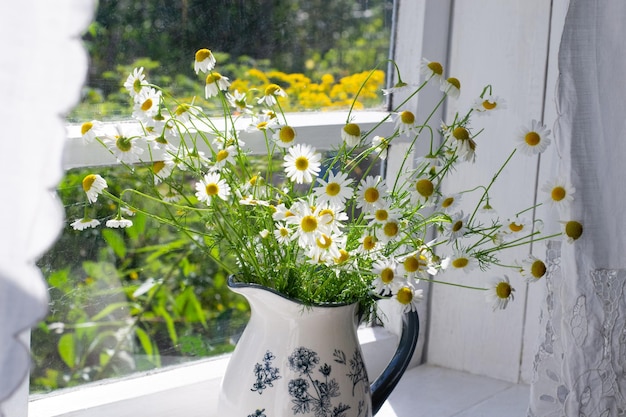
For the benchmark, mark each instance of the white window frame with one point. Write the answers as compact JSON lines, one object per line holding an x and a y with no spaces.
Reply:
{"x":191,"y":389}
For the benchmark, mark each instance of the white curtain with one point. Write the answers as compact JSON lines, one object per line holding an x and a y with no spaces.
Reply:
{"x":580,"y":367}
{"x":42,"y":67}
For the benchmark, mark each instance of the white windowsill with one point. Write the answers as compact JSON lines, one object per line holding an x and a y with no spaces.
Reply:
{"x":188,"y":390}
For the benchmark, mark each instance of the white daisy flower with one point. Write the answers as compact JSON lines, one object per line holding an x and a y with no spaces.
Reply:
{"x":499,"y":293}
{"x":285,"y":136}
{"x":262,"y":123}
{"x":125,"y":148}
{"x":371,"y":193}
{"x":430,"y":69}
{"x":399,"y":87}
{"x":309,"y":225}
{"x":225,"y":156}
{"x":281,"y":212}
{"x":332,"y":216}
{"x":488,"y":104}
{"x":93,"y":184}
{"x":423,"y":192}
{"x":451,"y":87}
{"x":533,"y":268}
{"x":387,"y":280}
{"x":351,"y":134}
{"x":301,"y":163}
{"x":560,"y":192}
{"x":533,"y":139}
{"x":282,"y":233}
{"x":162,"y":170}
{"x":237,"y":101}
{"x":409,"y":297}
{"x":90,"y":130}
{"x":134,"y":82}
{"x":325,"y":249}
{"x":205,"y":61}
{"x":271,"y":92}
{"x":388,"y":231}
{"x":146,"y":104}
{"x":380,"y":146}
{"x":458,"y":226}
{"x":381,"y":215}
{"x":211,"y":186}
{"x":573,"y":230}
{"x":405,"y":123}
{"x":516,"y":227}
{"x":119,"y":222}
{"x":450,"y":202}
{"x":185,"y":111}
{"x":461,"y":260}
{"x":84,"y":223}
{"x":368,"y":245}
{"x":465,"y":144}
{"x":335,"y":190}
{"x":414,"y":264}
{"x":214,"y":83}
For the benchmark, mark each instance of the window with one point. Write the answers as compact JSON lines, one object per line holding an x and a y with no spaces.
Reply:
{"x":76,"y":155}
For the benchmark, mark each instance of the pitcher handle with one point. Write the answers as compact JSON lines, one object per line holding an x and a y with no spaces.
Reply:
{"x":389,"y":378}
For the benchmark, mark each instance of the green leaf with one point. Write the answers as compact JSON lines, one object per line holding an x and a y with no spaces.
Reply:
{"x":139,"y":226}
{"x":169,"y":322}
{"x":110,"y":309}
{"x":115,"y":242}
{"x":145,"y":341}
{"x":67,"y":349}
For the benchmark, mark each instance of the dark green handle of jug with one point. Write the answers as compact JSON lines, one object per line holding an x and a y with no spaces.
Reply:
{"x":389,"y":378}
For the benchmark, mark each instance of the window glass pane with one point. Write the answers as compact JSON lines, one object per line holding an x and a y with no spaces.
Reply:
{"x":125,"y":300}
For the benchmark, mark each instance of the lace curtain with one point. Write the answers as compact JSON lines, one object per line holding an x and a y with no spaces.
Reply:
{"x":42,"y":67}
{"x":580,"y":366}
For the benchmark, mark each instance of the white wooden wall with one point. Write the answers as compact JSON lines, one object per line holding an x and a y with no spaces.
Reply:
{"x":511,"y":45}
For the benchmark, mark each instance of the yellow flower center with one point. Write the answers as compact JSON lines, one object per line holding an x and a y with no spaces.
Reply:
{"x":213,"y":77}
{"x":352,"y":129}
{"x":252,"y":181}
{"x":391,"y":229}
{"x":221,"y":155}
{"x":558,"y":193}
{"x":329,"y":213}
{"x":302,"y":163}
{"x":516,"y":227}
{"x":212,"y":189}
{"x":123,"y":144}
{"x":573,"y":229}
{"x":435,"y":67}
{"x":343,"y":256}
{"x":146,"y":105}
{"x":460,"y":133}
{"x":411,"y":264}
{"x":407,"y":117}
{"x":532,"y":138}
{"x":284,"y":232}
{"x":369,"y":243}
{"x":371,"y":195}
{"x":460,"y":262}
{"x":458,"y":225}
{"x":332,"y":189}
{"x":386,"y":275}
{"x":405,"y":295}
{"x":203,"y":54}
{"x":381,"y":215}
{"x":308,"y":224}
{"x":272,"y":90}
{"x":488,"y":105}
{"x":503,"y":290}
{"x":287,"y":134}
{"x":86,"y":127}
{"x":157,"y":166}
{"x":447,"y":202}
{"x":137,"y":85}
{"x":262,"y":126}
{"x":323,"y":242}
{"x":455,"y":82}
{"x":425,"y":187}
{"x":538,"y":269}
{"x":88,"y":182}
{"x":181,"y":109}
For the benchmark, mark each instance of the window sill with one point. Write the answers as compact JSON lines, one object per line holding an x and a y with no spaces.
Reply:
{"x":190,"y":390}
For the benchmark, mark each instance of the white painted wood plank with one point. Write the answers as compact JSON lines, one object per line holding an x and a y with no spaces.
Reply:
{"x":503,"y":44}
